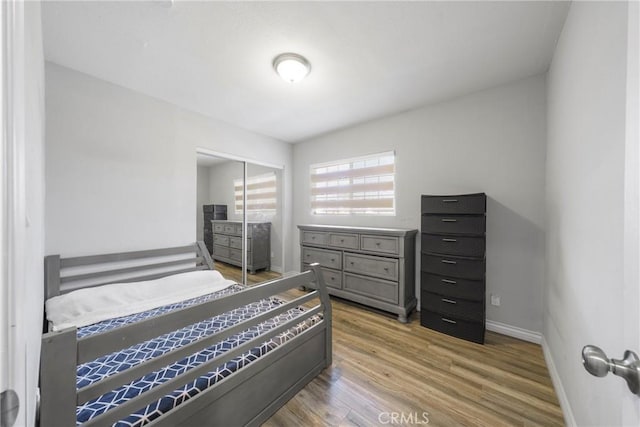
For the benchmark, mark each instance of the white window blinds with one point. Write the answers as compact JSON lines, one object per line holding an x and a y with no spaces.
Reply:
{"x":364,"y":185}
{"x":261,"y":193}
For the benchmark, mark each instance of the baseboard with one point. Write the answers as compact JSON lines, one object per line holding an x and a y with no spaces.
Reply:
{"x":569,"y":419}
{"x":514,"y":331}
{"x":276,"y":268}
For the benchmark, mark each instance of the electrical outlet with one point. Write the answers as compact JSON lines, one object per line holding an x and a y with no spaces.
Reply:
{"x":495,"y":300}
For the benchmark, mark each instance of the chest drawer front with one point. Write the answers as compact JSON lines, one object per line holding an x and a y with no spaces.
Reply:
{"x":315,"y":238}
{"x":454,"y":224}
{"x":461,"y":308}
{"x":382,"y":244}
{"x":461,"y":328}
{"x":236,"y":254}
{"x":222,"y":251}
{"x":218,"y":227}
{"x":385,"y":268}
{"x":229,"y":228}
{"x":326,"y":258}
{"x":458,"y":288}
{"x":344,"y":240}
{"x":454,"y":266}
{"x":236,"y":242}
{"x":373,"y":288}
{"x":220,"y":239}
{"x":463,"y":204}
{"x":453,"y":245}
{"x":331,"y":278}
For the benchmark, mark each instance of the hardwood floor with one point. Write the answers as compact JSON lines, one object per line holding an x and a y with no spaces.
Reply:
{"x":235,"y":273}
{"x":388,"y":373}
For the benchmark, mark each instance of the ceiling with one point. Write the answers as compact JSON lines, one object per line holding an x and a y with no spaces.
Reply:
{"x":369,"y":59}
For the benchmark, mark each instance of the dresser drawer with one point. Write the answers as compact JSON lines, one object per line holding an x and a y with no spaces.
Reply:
{"x":331,"y":278}
{"x":465,"y":268}
{"x":221,"y":239}
{"x":463,"y":204}
{"x":465,"y":329}
{"x":454,"y":224}
{"x":385,"y":268}
{"x":236,"y":242}
{"x":464,"y":309}
{"x":315,"y":238}
{"x":326,"y":258}
{"x":230,"y":228}
{"x":382,"y":244}
{"x":453,"y":245}
{"x":379,"y":289}
{"x":222,"y":251}
{"x":236,"y":254}
{"x":218,"y":227}
{"x":457,"y":288}
{"x":344,"y":240}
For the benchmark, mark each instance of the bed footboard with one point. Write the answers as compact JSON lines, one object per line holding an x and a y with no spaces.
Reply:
{"x":270,"y":381}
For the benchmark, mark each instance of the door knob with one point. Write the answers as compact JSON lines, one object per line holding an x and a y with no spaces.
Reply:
{"x":597,"y":363}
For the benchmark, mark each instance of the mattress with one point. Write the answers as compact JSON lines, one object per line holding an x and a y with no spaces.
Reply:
{"x":91,"y":372}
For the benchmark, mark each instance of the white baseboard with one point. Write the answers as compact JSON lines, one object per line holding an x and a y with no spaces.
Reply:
{"x":276,"y":268}
{"x":514,"y":331}
{"x":569,"y":419}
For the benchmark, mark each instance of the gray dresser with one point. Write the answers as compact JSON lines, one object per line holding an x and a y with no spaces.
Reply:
{"x":227,"y":244}
{"x":371,"y":266}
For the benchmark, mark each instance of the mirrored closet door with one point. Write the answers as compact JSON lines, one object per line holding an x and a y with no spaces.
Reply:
{"x":239,"y":217}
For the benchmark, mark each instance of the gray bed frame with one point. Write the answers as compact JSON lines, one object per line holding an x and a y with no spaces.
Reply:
{"x":249,"y":396}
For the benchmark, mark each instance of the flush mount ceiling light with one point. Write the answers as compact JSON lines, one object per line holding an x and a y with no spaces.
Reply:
{"x":291,"y":67}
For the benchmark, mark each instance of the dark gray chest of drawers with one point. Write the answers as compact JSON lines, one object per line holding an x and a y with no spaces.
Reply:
{"x":452,"y":268}
{"x":371,"y":266}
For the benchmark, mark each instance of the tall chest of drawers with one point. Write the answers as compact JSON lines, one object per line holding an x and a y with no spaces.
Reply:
{"x":371,"y":266}
{"x":452,"y":269}
{"x":227,"y":244}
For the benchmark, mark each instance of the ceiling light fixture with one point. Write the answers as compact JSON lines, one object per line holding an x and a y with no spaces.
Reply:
{"x":291,"y":66}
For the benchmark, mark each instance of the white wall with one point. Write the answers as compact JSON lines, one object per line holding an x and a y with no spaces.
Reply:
{"x":202,"y":198}
{"x":585,"y":205}
{"x":491,"y":141}
{"x":121,"y":166}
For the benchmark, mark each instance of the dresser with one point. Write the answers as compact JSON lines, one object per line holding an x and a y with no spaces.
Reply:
{"x":227,"y":244}
{"x":209,"y":213}
{"x":452,"y":269}
{"x":371,"y":266}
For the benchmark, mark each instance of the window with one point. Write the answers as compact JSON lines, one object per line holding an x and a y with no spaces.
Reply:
{"x":261,"y":193}
{"x":363,"y":186}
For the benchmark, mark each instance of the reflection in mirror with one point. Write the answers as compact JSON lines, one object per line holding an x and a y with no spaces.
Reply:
{"x":217,"y":222}
{"x":265,"y":248}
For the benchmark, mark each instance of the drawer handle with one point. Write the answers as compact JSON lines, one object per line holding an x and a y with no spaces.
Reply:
{"x":451,"y":282}
{"x":308,"y":255}
{"x":444,"y":319}
{"x":341,"y":240}
{"x":447,"y":261}
{"x":333,"y":278}
{"x":449,"y":220}
{"x":377,"y":243}
{"x":351,"y":262}
{"x":386,"y":269}
{"x":313,"y":237}
{"x":450,"y":240}
{"x":333,"y":260}
{"x":449,"y":200}
{"x":449,"y":301}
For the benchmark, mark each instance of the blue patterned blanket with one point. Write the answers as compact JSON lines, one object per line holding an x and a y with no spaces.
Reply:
{"x":102,"y":367}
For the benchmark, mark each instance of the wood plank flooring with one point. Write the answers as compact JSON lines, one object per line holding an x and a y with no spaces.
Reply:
{"x":388,"y":373}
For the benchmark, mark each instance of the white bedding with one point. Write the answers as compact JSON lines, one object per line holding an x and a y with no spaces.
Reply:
{"x":91,"y":305}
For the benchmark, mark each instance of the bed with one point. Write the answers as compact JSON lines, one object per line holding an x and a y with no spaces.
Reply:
{"x":225,"y":355}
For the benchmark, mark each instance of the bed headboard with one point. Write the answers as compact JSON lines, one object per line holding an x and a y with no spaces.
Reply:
{"x":62,"y":275}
